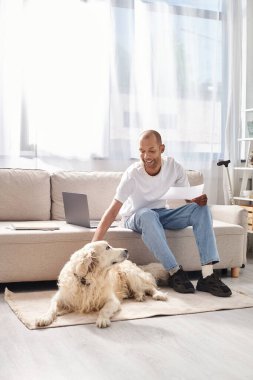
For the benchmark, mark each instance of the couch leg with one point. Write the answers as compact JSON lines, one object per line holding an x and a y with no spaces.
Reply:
{"x":235,"y":272}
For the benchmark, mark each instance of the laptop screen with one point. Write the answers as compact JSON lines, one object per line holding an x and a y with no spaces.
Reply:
{"x":76,"y":209}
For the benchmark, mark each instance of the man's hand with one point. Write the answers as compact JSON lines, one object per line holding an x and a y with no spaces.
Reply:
{"x":201,"y":200}
{"x":106,"y":220}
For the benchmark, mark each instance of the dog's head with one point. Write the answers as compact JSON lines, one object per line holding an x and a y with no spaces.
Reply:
{"x":95,"y":255}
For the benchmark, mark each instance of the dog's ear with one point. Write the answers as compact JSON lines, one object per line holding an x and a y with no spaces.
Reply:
{"x":86,"y":264}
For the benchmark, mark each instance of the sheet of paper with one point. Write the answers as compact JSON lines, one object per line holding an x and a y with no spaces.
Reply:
{"x":184,"y":192}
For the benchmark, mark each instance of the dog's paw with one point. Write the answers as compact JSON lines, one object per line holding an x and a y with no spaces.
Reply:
{"x":103,"y":322}
{"x":43,"y":321}
{"x":140,"y":297}
{"x":160,"y":296}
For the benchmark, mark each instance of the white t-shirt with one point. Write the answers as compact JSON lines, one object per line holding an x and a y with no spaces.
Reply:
{"x":137,"y":189}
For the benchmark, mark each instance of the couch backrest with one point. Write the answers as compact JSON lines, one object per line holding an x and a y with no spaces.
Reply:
{"x":24,"y":194}
{"x":99,"y":186}
{"x":195,"y":177}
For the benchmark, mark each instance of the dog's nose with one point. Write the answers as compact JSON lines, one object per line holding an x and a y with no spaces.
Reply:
{"x":125,"y":253}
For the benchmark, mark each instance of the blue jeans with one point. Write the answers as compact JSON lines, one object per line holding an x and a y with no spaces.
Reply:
{"x":151,"y":224}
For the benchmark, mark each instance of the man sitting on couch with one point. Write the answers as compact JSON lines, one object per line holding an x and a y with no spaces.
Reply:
{"x":139,"y":196}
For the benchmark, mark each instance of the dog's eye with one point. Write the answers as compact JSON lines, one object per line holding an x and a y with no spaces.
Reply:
{"x":108,"y":247}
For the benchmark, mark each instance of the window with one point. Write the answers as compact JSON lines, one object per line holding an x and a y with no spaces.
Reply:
{"x":93,"y":74}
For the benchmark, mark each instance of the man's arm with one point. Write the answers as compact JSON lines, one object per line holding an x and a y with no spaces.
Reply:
{"x":107,"y":219}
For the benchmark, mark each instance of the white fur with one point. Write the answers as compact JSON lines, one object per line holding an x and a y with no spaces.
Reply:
{"x":97,"y":278}
{"x":158,"y":271}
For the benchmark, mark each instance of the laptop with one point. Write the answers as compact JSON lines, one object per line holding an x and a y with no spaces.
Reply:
{"x":77,"y":210}
{"x":35,"y":225}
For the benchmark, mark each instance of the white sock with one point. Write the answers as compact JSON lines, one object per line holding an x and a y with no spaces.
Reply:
{"x":207,"y":270}
{"x":173,"y":270}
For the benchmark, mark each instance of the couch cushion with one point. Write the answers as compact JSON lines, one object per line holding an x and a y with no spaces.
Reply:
{"x":99,"y":186}
{"x":41,"y":254}
{"x":24,"y":194}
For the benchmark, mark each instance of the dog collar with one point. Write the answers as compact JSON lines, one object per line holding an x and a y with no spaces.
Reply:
{"x":82,"y":280}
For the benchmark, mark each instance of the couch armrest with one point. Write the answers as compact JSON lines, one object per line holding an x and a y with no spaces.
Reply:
{"x":231,"y":214}
{"x":236,"y":215}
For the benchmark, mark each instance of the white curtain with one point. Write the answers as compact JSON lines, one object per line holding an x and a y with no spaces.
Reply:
{"x":79,"y":81}
{"x":233,"y":11}
{"x":10,"y":78}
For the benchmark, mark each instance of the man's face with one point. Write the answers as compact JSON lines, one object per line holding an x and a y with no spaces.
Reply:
{"x":151,"y":154}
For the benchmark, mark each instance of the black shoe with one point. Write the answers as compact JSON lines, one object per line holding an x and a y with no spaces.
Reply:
{"x":212,"y":284}
{"x":180,"y":283}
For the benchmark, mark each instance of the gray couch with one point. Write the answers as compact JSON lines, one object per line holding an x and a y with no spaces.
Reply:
{"x":28,"y":195}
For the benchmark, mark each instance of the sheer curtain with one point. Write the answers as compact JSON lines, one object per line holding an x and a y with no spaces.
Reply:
{"x":10,"y":79}
{"x":233,"y":12}
{"x":174,"y":81}
{"x":55,"y":76}
{"x":79,"y":81}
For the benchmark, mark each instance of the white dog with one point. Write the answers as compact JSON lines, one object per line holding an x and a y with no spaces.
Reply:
{"x":90,"y":281}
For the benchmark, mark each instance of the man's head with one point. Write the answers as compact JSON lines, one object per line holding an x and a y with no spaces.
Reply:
{"x":151,"y":149}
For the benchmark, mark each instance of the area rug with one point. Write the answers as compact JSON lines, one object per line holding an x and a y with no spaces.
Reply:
{"x":30,"y":305}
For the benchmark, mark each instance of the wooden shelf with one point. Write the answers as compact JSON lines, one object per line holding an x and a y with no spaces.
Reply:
{"x":246,"y":173}
{"x":243,"y":199}
{"x":243,"y":168}
{"x":249,"y":209}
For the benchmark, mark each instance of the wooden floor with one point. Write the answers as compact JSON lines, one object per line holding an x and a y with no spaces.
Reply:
{"x":215,"y":345}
